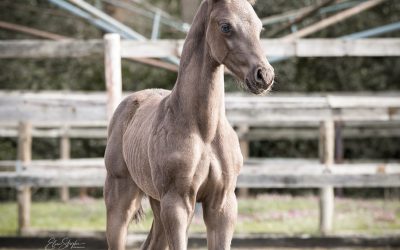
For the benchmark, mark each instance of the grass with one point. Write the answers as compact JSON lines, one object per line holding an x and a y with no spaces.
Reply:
{"x":266,"y":214}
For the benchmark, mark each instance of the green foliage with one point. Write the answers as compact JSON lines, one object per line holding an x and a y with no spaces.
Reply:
{"x":372,"y":148}
{"x":337,"y":74}
{"x":8,"y":149}
{"x":354,"y":149}
{"x":42,"y":15}
{"x":52,"y":74}
{"x":284,"y":148}
{"x":138,"y":76}
{"x":86,"y":74}
{"x":87,"y":148}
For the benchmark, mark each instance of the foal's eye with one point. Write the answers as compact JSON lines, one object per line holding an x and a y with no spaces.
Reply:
{"x":226,"y":28}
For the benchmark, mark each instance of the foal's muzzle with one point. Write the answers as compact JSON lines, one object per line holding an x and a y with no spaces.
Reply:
{"x":260,"y":79}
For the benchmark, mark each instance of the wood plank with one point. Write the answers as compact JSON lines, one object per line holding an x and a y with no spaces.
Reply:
{"x":157,"y":63}
{"x":65,"y":154}
{"x":50,"y":49}
{"x":31,"y":31}
{"x":24,"y":190}
{"x":312,"y":181}
{"x":309,"y":12}
{"x":326,"y":196}
{"x":48,"y":108}
{"x":377,"y":47}
{"x":257,"y":173}
{"x":341,"y":47}
{"x":167,"y":48}
{"x":294,"y":166}
{"x":345,"y":101}
{"x":151,"y":49}
{"x":113,"y":74}
{"x":95,"y":178}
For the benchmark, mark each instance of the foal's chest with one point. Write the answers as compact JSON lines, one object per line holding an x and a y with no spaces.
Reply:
{"x":225,"y":162}
{"x":193,"y":165}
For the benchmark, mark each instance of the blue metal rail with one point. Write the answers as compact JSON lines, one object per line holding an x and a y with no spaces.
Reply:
{"x":105,"y":23}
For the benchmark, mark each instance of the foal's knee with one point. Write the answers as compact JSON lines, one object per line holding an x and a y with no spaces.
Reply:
{"x":175,"y":215}
{"x":175,"y":208}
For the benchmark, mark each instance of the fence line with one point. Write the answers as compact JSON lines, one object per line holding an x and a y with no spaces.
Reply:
{"x":166,"y":48}
{"x":256,"y":173}
{"x":75,"y":107}
{"x":243,"y":112}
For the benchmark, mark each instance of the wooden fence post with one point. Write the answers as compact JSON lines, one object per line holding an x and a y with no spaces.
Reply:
{"x":65,"y":154}
{"x":112,"y":57}
{"x":24,"y":192}
{"x":326,"y":149}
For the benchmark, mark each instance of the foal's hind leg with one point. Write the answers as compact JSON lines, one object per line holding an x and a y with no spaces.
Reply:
{"x":123,"y":200}
{"x":156,"y":239}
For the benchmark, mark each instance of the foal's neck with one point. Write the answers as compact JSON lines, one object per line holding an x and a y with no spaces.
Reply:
{"x":199,"y":91}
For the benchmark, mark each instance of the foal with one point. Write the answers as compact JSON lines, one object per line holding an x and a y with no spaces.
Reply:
{"x":177,"y":146}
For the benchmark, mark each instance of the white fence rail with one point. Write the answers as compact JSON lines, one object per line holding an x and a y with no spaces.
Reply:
{"x":167,"y":48}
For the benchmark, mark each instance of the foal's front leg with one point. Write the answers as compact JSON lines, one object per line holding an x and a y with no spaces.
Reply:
{"x":176,"y":212}
{"x":220,"y":223}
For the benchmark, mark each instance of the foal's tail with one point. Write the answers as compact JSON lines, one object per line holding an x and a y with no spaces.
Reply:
{"x":139,"y":215}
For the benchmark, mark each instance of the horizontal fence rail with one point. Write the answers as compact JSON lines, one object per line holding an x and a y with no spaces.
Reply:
{"x":89,"y":109}
{"x":167,"y":48}
{"x":256,"y":173}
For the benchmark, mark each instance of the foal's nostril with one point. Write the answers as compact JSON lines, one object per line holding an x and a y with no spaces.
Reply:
{"x":259,"y":75}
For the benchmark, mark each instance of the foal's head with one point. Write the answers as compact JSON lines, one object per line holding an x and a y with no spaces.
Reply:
{"x":233,"y":37}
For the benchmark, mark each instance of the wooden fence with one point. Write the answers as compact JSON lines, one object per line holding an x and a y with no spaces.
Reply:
{"x":83,"y":115}
{"x":67,"y":115}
